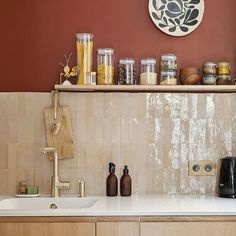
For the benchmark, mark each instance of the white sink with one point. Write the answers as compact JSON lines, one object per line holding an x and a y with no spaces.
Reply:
{"x":45,"y":203}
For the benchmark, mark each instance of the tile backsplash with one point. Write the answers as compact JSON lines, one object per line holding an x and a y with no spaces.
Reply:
{"x":154,"y":134}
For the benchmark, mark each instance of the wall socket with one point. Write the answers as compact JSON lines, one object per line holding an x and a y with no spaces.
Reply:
{"x":202,"y":168}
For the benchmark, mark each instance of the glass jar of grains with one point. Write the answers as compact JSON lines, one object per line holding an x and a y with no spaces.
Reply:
{"x":168,"y":78}
{"x":126,"y":71}
{"x":105,"y":66}
{"x":223,"y":68}
{"x":168,"y":62}
{"x":148,"y":75}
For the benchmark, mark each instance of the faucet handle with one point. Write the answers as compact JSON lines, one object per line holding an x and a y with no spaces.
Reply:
{"x":81,"y":188}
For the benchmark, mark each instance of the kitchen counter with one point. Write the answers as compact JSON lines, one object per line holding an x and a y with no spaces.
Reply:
{"x":145,"y":205}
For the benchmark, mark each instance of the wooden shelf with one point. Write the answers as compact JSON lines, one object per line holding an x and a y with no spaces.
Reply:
{"x":148,"y":88}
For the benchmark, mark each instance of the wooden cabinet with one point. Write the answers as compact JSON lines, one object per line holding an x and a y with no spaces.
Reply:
{"x":188,"y":228}
{"x":47,"y":228}
{"x":118,"y":226}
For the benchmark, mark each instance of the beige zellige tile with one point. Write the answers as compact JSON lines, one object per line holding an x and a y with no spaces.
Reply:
{"x":233,"y":107}
{"x":150,"y":181}
{"x":21,"y":157}
{"x":4,"y":156}
{"x":12,"y":155}
{"x":95,"y":155}
{"x":4,"y":127}
{"x":4,"y":105}
{"x":80,"y":155}
{"x":21,"y":104}
{"x":12,"y":105}
{"x":36,"y":102}
{"x":4,"y":182}
{"x":12,"y":130}
{"x":12,"y":182}
{"x":25,"y":130}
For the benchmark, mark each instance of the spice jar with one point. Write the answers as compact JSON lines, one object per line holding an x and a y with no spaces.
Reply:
{"x":168,"y":62}
{"x":209,"y":79}
{"x":223,"y":68}
{"x":105,"y":66}
{"x":168,"y":78}
{"x":148,"y":74}
{"x":84,"y":46}
{"x":210,"y":68}
{"x":225,"y":80}
{"x":127,"y":73}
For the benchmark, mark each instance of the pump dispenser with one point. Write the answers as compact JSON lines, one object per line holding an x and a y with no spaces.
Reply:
{"x":125,"y":183}
{"x":112,"y":182}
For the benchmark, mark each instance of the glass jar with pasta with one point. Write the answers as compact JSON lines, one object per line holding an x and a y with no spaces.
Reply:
{"x":84,"y":46}
{"x":105,"y":66}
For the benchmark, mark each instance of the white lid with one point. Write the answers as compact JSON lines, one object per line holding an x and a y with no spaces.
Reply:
{"x":209,"y":63}
{"x":223,"y":63}
{"x":105,"y":51}
{"x":124,"y":61}
{"x":167,"y":57}
{"x":166,"y":73}
{"x":84,"y":36}
{"x":147,"y":61}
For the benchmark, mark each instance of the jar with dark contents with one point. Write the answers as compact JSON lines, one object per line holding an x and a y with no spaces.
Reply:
{"x":126,"y":71}
{"x":168,"y":62}
{"x":225,"y":80}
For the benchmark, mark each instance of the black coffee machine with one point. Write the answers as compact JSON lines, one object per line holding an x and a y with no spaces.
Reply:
{"x":227,"y":178}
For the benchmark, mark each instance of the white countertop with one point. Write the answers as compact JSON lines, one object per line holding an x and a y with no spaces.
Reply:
{"x":146,"y":205}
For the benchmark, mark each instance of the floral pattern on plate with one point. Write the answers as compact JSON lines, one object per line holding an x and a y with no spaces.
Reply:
{"x":176,"y":17}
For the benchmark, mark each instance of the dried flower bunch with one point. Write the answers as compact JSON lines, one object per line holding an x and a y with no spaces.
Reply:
{"x":68,"y":74}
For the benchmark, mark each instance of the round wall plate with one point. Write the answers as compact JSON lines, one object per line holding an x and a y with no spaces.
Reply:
{"x":176,"y":17}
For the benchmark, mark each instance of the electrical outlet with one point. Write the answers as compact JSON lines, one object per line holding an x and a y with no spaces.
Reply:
{"x":201,"y":168}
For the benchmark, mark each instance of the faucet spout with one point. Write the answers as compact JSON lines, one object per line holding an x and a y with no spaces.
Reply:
{"x":56,"y":184}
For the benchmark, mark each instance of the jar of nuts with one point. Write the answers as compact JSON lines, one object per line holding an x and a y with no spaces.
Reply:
{"x":105,"y":66}
{"x":210,"y":68}
{"x":126,"y":71}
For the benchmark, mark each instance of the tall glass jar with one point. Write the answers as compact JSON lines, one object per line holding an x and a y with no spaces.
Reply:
{"x":105,"y":66}
{"x":84,"y":46}
{"x":127,"y":73}
{"x":148,"y":75}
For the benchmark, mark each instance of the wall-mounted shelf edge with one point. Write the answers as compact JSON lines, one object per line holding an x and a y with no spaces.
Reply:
{"x":148,"y":88}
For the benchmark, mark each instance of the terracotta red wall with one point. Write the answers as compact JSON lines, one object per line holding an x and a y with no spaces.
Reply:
{"x":36,"y":34}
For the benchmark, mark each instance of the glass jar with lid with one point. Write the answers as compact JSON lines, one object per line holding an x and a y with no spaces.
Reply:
{"x":105,"y":66}
{"x":126,"y":71}
{"x":209,"y":79}
{"x":84,"y":46}
{"x":148,"y":75}
{"x":225,"y":80}
{"x":168,"y":78}
{"x":210,"y":68}
{"x":168,"y":62}
{"x":223,"y":68}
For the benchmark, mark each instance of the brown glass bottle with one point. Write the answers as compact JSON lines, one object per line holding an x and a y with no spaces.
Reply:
{"x":112,"y":182}
{"x":125,"y":183}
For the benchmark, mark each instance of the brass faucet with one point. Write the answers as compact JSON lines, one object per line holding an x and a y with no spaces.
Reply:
{"x":56,"y":184}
